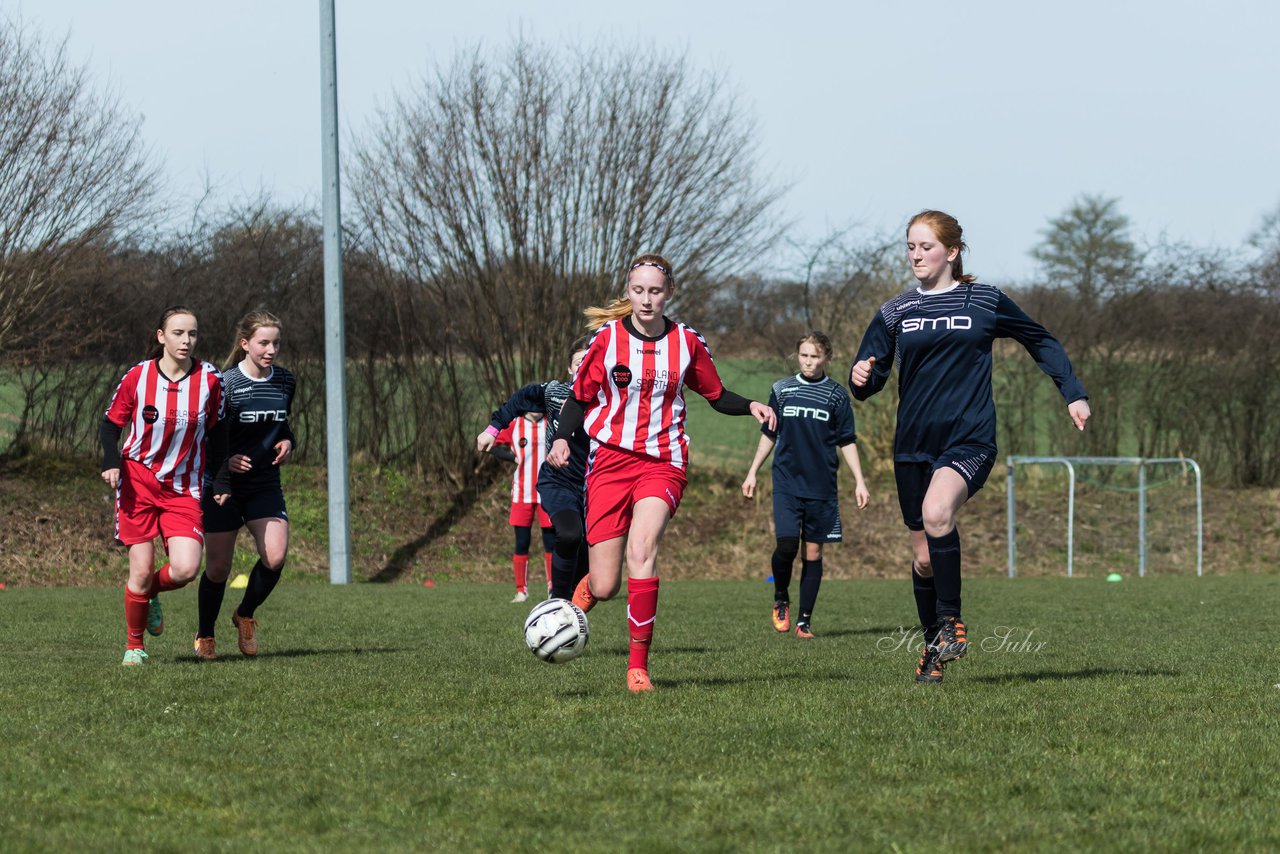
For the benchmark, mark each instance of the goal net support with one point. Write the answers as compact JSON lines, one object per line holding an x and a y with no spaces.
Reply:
{"x":1071,"y":464}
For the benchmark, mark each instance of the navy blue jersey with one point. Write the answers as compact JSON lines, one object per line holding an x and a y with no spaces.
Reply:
{"x":814,"y":418}
{"x":942,"y":343}
{"x":258,"y":418}
{"x":547,"y":398}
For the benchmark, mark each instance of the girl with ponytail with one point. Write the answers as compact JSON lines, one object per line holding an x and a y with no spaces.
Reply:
{"x":941,"y":334}
{"x":247,"y":491}
{"x":628,"y":397}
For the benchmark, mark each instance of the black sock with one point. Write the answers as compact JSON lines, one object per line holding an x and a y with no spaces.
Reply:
{"x":584,"y":563}
{"x":944,"y":554}
{"x":784,"y":555}
{"x":567,"y":555}
{"x":209,"y":603}
{"x":810,"y":581}
{"x":563,"y":575}
{"x":261,"y":582}
{"x":926,"y":603}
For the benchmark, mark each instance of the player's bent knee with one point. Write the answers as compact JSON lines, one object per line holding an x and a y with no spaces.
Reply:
{"x":182,"y":574}
{"x":568,"y":528}
{"x":606,"y":593}
{"x":938,"y":521}
{"x":217,"y":574}
{"x":788,"y":548}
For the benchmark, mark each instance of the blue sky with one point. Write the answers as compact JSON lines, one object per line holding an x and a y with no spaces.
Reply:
{"x":999,"y":112}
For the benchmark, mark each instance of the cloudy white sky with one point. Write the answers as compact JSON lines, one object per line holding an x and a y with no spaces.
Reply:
{"x":999,"y":112}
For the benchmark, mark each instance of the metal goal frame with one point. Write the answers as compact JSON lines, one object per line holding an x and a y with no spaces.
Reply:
{"x":1071,"y":462}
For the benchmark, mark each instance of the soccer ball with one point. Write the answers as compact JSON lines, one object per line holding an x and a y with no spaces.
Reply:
{"x":556,"y":630}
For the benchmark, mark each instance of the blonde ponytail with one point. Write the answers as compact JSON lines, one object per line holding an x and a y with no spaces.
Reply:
{"x":598,"y":316}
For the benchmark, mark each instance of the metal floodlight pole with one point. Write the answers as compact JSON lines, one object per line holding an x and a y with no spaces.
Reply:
{"x":334,"y":340}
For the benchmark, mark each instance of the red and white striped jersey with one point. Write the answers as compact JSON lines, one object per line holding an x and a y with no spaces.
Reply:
{"x":633,"y":387}
{"x":168,"y":420}
{"x":528,"y":441}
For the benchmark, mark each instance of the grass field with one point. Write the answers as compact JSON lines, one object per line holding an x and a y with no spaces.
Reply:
{"x":1140,"y":715}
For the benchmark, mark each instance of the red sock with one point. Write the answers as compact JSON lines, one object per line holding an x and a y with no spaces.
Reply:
{"x":642,"y":610}
{"x":547,"y":555}
{"x":162,"y":581}
{"x":135,"y":617}
{"x":520,"y":563}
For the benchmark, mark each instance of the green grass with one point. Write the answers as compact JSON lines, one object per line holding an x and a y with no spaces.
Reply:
{"x":405,"y":717}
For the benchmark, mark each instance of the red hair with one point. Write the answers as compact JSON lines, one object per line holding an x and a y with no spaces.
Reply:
{"x":947,"y":229}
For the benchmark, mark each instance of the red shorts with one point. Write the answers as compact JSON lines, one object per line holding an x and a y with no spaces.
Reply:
{"x":616,"y":480}
{"x":146,"y":507}
{"x":522,"y":515}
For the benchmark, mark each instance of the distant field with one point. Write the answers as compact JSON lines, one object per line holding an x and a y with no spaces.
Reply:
{"x":1090,"y":716}
{"x":10,"y":407}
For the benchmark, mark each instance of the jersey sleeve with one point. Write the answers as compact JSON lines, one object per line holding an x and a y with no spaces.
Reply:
{"x":702,"y":375}
{"x":125,"y":399}
{"x":530,"y":398}
{"x":1013,"y":322}
{"x":290,"y":384}
{"x":773,"y":404}
{"x":590,"y":377}
{"x":877,"y":341}
{"x":504,"y":435}
{"x":216,"y":408}
{"x":842,"y":424}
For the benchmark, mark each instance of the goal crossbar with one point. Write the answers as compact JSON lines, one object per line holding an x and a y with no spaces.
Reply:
{"x":1070,"y":463}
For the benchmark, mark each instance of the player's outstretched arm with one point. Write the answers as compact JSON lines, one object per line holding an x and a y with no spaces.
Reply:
{"x":731,"y":403}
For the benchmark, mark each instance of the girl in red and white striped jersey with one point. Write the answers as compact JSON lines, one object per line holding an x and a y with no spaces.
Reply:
{"x":169,"y":403}
{"x":523,"y":442}
{"x":629,"y":397}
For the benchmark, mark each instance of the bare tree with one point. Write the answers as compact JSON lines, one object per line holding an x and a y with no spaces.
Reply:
{"x":515,"y":188}
{"x":73,"y":174}
{"x":506,"y":192}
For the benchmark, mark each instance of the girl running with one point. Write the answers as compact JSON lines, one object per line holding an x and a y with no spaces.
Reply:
{"x":247,"y":489}
{"x":170,"y":403}
{"x":559,"y":490}
{"x":945,"y":443}
{"x":814,"y":419}
{"x":628,"y":397}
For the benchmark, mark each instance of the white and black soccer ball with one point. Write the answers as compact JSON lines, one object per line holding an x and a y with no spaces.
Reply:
{"x":556,"y":630}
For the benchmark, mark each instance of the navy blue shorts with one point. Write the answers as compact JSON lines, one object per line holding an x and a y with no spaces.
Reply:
{"x":242,"y":507}
{"x":557,"y":495}
{"x":971,"y":462}
{"x":814,"y":520}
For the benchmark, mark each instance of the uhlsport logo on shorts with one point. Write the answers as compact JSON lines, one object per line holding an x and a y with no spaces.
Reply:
{"x":621,"y":375}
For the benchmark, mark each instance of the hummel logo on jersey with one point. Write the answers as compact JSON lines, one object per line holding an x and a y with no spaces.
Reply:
{"x":647,"y":351}
{"x":928,"y":324}
{"x":805,"y":412}
{"x":621,"y":375}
